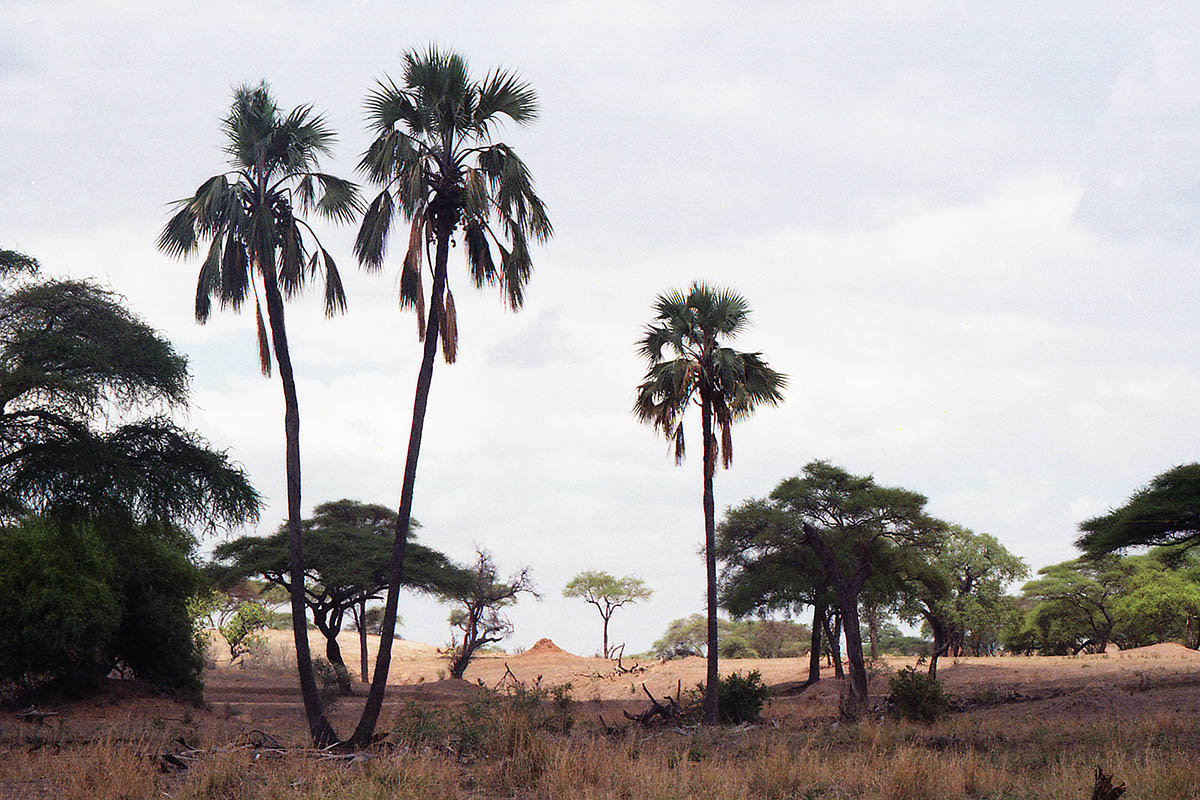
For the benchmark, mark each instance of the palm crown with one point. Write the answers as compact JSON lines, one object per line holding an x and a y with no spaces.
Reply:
{"x":690,"y":327}
{"x":438,"y":168}
{"x":249,"y":211}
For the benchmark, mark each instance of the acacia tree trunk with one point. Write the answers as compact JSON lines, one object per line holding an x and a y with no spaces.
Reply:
{"x":814,"y":653}
{"x":711,"y":711}
{"x":370,"y":714}
{"x":941,"y":642}
{"x":605,"y":651}
{"x":857,"y":699}
{"x":318,"y":726}
{"x":833,"y":641}
{"x":361,"y":615}
{"x":333,"y":652}
{"x":873,"y":630}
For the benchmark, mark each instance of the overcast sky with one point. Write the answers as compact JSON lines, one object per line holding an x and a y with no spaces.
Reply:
{"x":967,"y":232}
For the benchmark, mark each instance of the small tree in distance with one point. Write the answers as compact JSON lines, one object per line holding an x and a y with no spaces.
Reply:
{"x":481,"y":620}
{"x":607,"y":594}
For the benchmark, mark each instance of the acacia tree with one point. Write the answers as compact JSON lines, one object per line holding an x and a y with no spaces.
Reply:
{"x":481,"y":620}
{"x":439,"y":169}
{"x":248,"y":214}
{"x":767,"y":567}
{"x":1075,"y":603}
{"x":848,"y":521}
{"x":107,"y":505}
{"x":1166,"y":512}
{"x":690,"y":363}
{"x":348,"y":548}
{"x":607,"y":594}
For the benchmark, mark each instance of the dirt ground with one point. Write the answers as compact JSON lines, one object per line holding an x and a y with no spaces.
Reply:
{"x":262,"y":693}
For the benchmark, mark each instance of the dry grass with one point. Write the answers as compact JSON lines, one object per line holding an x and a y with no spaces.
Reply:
{"x":1136,"y":714}
{"x":958,"y":758}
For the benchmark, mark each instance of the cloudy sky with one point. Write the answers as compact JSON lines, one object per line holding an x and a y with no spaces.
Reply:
{"x":967,"y":232}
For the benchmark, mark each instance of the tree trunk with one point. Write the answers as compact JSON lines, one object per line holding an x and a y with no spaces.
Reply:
{"x":362,"y":639}
{"x":857,"y":699}
{"x":833,"y":642}
{"x":333,"y":652}
{"x":873,"y":630}
{"x":605,"y":651}
{"x":814,"y":654}
{"x":711,"y":711}
{"x":318,"y":726}
{"x":941,"y":643}
{"x":370,"y":715}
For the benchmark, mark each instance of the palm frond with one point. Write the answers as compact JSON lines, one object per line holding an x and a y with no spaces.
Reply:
{"x":209,"y":280}
{"x":264,"y":345}
{"x":371,"y":243}
{"x":479,"y":255}
{"x":178,"y":237}
{"x":340,"y":200}
{"x":448,"y":324}
{"x":503,"y":93}
{"x":335,"y":293}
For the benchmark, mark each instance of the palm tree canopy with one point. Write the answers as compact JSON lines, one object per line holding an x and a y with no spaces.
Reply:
{"x":248,"y":214}
{"x":437,"y":167}
{"x":689,"y":361}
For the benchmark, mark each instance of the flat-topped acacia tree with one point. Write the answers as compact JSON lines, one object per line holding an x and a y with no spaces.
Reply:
{"x":689,"y":363}
{"x":439,"y":169}
{"x":607,"y":593}
{"x":248,"y":214}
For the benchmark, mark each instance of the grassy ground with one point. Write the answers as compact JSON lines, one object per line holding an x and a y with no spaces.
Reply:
{"x":1037,"y":728}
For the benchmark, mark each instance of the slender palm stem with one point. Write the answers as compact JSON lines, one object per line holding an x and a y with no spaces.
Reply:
{"x":322,"y":732}
{"x":370,"y":714}
{"x":711,"y":711}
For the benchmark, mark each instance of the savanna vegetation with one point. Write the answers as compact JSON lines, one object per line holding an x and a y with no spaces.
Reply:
{"x":105,"y":500}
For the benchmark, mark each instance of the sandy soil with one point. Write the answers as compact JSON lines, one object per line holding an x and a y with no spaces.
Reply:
{"x":262,"y":694}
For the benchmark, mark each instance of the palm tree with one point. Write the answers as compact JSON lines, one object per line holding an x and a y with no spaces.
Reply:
{"x":248,"y":213}
{"x":438,"y":168}
{"x":726,"y":384}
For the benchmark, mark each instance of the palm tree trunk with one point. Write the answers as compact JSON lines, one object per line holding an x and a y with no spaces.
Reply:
{"x":370,"y":714}
{"x":318,"y":726}
{"x":711,"y":711}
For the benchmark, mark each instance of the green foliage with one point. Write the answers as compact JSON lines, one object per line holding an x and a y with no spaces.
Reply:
{"x":70,"y":353}
{"x":1163,"y":513}
{"x":917,"y":696}
{"x":1073,"y":604}
{"x":741,"y":698}
{"x":737,"y":638}
{"x":1162,"y":605}
{"x":607,"y":594}
{"x":328,"y":679}
{"x":61,"y":610}
{"x":155,"y":579}
{"x":244,"y":623}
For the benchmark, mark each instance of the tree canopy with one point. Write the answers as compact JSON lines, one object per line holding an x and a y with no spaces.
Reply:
{"x":1167,"y":512}
{"x":607,"y":593}
{"x":348,"y":548}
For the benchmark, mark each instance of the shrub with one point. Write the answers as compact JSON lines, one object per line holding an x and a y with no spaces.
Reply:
{"x":917,"y":696}
{"x":740,"y":699}
{"x":60,"y":610}
{"x":327,"y":679}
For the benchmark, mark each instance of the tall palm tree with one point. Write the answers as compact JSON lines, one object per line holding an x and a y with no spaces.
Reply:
{"x":438,"y":169}
{"x":726,"y":384}
{"x":249,"y":214}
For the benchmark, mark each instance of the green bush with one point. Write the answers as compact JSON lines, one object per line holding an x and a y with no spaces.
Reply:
{"x":60,"y":608}
{"x":917,"y":696}
{"x":740,"y":699}
{"x":327,"y":679}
